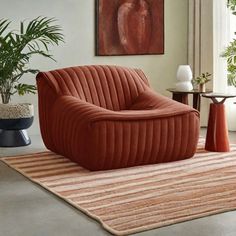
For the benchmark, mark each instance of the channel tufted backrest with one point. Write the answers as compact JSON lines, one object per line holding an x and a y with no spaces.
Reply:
{"x":111,"y":87}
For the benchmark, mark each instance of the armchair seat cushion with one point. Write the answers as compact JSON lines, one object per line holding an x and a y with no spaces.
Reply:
{"x":148,"y":128}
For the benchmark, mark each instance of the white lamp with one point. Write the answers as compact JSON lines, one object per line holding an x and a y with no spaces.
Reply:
{"x":184,"y":77}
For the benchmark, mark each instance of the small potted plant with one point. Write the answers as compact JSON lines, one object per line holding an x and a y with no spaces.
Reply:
{"x":16,"y":50}
{"x":201,"y":81}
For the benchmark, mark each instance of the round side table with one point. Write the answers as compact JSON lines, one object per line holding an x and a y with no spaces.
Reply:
{"x":217,"y":139}
{"x":182,"y":96}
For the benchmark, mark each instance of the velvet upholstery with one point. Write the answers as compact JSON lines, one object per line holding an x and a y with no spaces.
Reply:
{"x":106,"y":117}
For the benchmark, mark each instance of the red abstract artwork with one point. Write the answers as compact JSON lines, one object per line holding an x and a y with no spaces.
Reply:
{"x":130,"y":27}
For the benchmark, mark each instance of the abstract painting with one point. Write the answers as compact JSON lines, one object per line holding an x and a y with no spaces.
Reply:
{"x":130,"y":27}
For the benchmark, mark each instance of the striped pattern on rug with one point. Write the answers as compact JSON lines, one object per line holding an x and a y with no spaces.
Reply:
{"x":140,"y":198}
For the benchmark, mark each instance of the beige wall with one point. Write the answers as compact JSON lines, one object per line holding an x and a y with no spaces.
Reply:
{"x":78,"y":22}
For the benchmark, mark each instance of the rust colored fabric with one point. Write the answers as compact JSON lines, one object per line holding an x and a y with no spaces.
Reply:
{"x":107,"y":117}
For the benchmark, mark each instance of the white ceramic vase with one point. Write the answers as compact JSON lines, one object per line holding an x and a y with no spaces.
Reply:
{"x":184,"y":86}
{"x":184,"y":77}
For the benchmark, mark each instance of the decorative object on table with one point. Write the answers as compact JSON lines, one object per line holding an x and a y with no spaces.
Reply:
{"x":16,"y":50}
{"x":201,"y":81}
{"x":130,"y":27}
{"x":160,"y":195}
{"x":123,"y":130}
{"x":230,"y":51}
{"x":184,"y":77}
{"x":14,"y":120}
{"x":182,"y":96}
{"x":217,"y":139}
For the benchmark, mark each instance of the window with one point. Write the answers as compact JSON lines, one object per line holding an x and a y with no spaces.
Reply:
{"x":224,"y":28}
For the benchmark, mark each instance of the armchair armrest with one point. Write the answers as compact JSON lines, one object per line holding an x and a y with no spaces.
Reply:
{"x":71,"y":121}
{"x":149,"y":99}
{"x":84,"y":112}
{"x":81,"y":110}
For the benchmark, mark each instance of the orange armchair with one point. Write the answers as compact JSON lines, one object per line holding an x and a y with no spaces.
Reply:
{"x":106,"y":117}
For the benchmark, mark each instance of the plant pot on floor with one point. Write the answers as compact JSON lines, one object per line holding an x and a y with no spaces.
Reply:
{"x":14,"y":120}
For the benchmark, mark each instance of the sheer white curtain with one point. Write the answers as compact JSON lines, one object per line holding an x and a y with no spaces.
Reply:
{"x":200,"y":46}
{"x":220,"y":42}
{"x":224,"y":27}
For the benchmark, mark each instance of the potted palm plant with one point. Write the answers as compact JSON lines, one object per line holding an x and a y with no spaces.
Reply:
{"x":16,"y":50}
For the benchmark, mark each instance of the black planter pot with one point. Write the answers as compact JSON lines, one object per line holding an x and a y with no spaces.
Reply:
{"x":13,"y":132}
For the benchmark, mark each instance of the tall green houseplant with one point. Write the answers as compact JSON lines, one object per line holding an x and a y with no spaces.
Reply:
{"x":230,"y":52}
{"x":18,"y":47}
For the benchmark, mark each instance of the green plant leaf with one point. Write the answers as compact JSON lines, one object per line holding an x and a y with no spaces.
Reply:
{"x":23,"y":89}
{"x":202,"y":79}
{"x":16,"y":50}
{"x":3,"y":25}
{"x":230,"y":51}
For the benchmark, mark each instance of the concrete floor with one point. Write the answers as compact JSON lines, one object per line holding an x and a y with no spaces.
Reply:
{"x":27,"y":209}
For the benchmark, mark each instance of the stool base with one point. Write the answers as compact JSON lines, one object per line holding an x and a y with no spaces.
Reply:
{"x":14,"y":138}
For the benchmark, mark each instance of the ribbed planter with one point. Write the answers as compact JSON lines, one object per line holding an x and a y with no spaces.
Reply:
{"x":14,"y":120}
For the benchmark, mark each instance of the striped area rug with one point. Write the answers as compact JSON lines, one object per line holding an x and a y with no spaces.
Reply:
{"x":141,"y":198}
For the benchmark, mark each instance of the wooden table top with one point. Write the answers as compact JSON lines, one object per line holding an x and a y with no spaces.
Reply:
{"x":213,"y":97}
{"x":219,"y":95}
{"x":194,"y":91}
